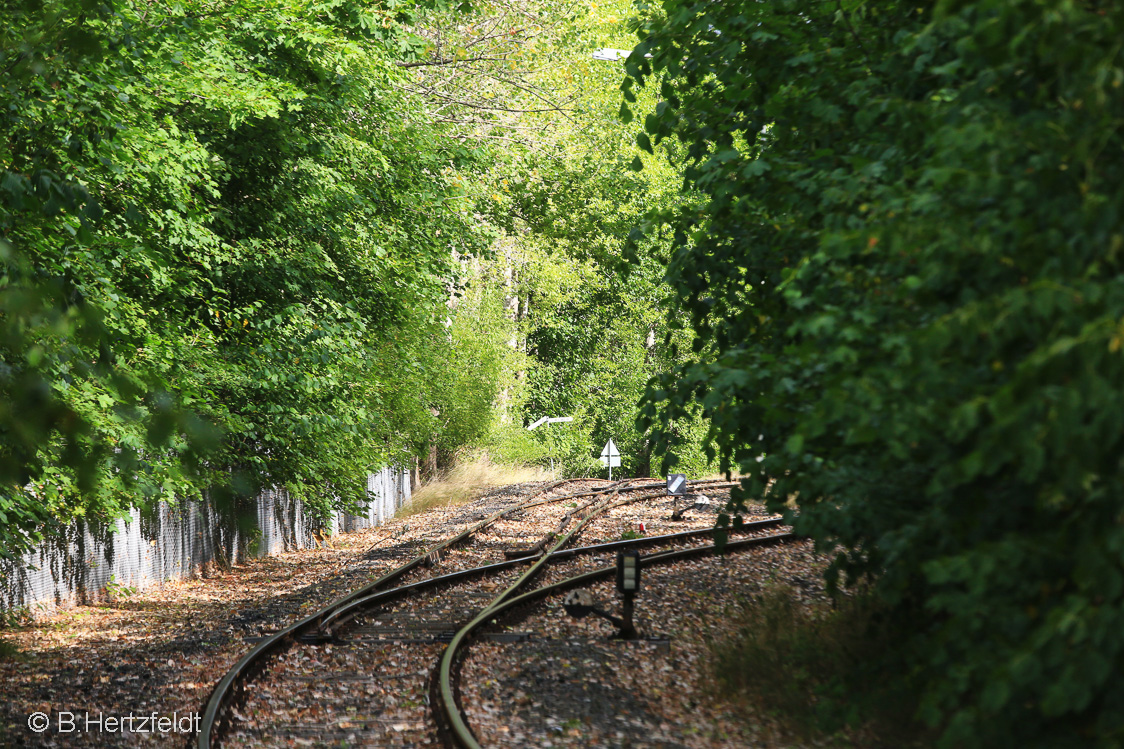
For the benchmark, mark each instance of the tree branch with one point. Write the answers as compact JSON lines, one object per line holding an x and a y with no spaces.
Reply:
{"x":436,"y":63}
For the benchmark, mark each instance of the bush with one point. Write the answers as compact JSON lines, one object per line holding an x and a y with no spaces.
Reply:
{"x":820,"y":670}
{"x":907,"y":288}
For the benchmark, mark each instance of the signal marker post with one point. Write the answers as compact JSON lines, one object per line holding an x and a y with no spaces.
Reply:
{"x":611,"y":457}
{"x":676,"y":487}
{"x":628,"y":585}
{"x":550,"y":420}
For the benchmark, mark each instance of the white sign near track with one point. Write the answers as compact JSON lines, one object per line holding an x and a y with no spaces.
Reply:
{"x":610,"y":456}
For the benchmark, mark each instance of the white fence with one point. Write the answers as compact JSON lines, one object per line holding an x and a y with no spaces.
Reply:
{"x":176,"y":542}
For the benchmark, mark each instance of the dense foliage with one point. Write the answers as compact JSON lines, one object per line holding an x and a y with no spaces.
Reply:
{"x":907,"y":290}
{"x":557,"y":186}
{"x":237,"y":242}
{"x":216,"y":219}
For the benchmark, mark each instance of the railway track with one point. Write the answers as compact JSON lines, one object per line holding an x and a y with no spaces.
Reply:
{"x":364,"y":666}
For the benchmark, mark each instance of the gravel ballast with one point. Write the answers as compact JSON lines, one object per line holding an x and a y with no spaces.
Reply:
{"x":565,"y":683}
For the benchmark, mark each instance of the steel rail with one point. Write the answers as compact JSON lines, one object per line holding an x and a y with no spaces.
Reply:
{"x":538,"y":548}
{"x":284,"y":638}
{"x":706,"y":484}
{"x":329,"y":619}
{"x":591,"y":512}
{"x":446,"y":544}
{"x":619,"y":487}
{"x":290,"y":634}
{"x":445,"y":694}
{"x":703,"y":484}
{"x":385,"y":596}
{"x":460,"y":731}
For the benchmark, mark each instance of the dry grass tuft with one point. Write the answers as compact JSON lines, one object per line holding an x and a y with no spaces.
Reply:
{"x":821,"y":672}
{"x":719,"y":477}
{"x":465,"y":481}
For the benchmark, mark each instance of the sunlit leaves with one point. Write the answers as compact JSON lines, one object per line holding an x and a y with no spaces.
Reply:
{"x":227,"y":227}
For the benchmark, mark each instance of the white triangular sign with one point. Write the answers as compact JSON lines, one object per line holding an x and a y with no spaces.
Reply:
{"x":610,"y":456}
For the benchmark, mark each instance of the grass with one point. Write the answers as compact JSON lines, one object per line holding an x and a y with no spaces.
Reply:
{"x":8,"y":650}
{"x":465,"y":481}
{"x":719,"y":477}
{"x":822,"y":674}
{"x":17,"y":617}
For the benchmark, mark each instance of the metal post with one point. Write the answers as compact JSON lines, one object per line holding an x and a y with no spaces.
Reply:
{"x":628,"y":632}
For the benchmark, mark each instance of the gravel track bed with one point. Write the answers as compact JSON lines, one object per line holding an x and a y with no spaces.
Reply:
{"x":574,"y":686}
{"x":525,"y":528}
{"x":370,"y":688}
{"x":566,"y":568}
{"x":164,"y":649}
{"x":656,"y":514}
{"x":349,"y":694}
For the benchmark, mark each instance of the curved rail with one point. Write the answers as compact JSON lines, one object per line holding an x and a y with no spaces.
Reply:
{"x":385,"y":596}
{"x":447,"y":704}
{"x":330,"y":615}
{"x":340,"y":610}
{"x":445,"y":692}
{"x":255,"y":658}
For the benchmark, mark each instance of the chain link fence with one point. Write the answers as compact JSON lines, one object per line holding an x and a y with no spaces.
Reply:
{"x":171,"y":542}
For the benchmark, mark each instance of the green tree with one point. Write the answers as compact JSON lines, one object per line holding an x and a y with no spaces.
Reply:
{"x":906,"y":289}
{"x":563,"y":195}
{"x":214,"y":217}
